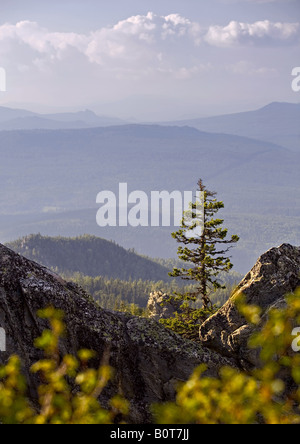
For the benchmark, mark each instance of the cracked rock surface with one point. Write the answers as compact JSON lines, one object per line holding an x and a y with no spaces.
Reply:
{"x":275,"y":274}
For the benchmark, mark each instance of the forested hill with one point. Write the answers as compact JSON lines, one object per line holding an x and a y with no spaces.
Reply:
{"x":89,"y":255}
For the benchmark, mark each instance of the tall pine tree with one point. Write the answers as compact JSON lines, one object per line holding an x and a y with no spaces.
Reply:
{"x":205,"y":247}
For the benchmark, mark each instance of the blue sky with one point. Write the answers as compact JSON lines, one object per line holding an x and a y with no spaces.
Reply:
{"x":155,"y":60}
{"x":84,"y":15}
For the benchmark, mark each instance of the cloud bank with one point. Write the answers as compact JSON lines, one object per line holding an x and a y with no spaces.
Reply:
{"x":142,"y":38}
{"x":258,"y":33}
{"x":167,"y":58}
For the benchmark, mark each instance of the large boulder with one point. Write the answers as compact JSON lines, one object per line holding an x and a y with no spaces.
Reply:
{"x":148,"y":359}
{"x":160,"y":306}
{"x":275,"y":274}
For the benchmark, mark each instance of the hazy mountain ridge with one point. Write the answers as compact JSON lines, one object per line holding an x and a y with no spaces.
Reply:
{"x":18,"y":119}
{"x":276,"y":123}
{"x":259,"y":182}
{"x":147,"y":158}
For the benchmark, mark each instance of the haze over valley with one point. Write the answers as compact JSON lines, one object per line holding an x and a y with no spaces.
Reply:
{"x":81,"y":155}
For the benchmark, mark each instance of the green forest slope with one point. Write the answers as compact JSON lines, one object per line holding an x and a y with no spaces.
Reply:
{"x":117,"y":279}
{"x":89,"y":255}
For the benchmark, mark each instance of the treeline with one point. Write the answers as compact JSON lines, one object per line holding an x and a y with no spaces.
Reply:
{"x":116,"y":278}
{"x":132,"y":295}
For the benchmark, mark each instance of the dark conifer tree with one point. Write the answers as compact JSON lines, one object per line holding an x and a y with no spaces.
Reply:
{"x":204,"y":251}
{"x":206,"y":245}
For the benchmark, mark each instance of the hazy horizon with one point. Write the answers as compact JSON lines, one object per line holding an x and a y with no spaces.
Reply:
{"x":45,"y":110}
{"x":163,"y":62}
{"x":166,"y":61}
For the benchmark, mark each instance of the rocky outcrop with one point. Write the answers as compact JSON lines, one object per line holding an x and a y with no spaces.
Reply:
{"x":276,"y":273}
{"x":148,"y":360}
{"x":160,"y":307}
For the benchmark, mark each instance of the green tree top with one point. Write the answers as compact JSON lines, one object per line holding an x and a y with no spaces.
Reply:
{"x":206,"y":245}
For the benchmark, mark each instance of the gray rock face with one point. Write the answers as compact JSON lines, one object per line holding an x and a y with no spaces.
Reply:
{"x":159,"y":306}
{"x":276,"y":273}
{"x":148,"y":360}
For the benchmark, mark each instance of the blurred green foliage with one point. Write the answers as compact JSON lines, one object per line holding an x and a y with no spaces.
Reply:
{"x":269,"y":395}
{"x":57,"y":402}
{"x":187,"y":319}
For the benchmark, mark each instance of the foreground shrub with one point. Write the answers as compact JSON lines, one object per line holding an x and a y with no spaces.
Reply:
{"x":269,"y":395}
{"x":57,"y":401}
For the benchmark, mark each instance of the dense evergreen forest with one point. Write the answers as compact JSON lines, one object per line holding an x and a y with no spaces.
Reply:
{"x":89,"y":255}
{"x":115,"y":294}
{"x":116,"y":278}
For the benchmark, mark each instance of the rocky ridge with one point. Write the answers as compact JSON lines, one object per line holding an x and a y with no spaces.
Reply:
{"x":148,"y":360}
{"x":275,"y":274}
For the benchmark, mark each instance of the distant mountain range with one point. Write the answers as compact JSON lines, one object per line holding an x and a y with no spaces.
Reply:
{"x":50,"y":178}
{"x":18,"y":119}
{"x":46,"y":170}
{"x":276,"y":123}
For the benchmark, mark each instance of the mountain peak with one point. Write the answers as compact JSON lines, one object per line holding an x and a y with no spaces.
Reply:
{"x":280,"y":106}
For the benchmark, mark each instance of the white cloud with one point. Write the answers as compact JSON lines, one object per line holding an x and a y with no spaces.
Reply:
{"x":33,"y":36}
{"x":135,"y":38}
{"x":148,"y":54}
{"x":141,"y":38}
{"x":261,"y":32}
